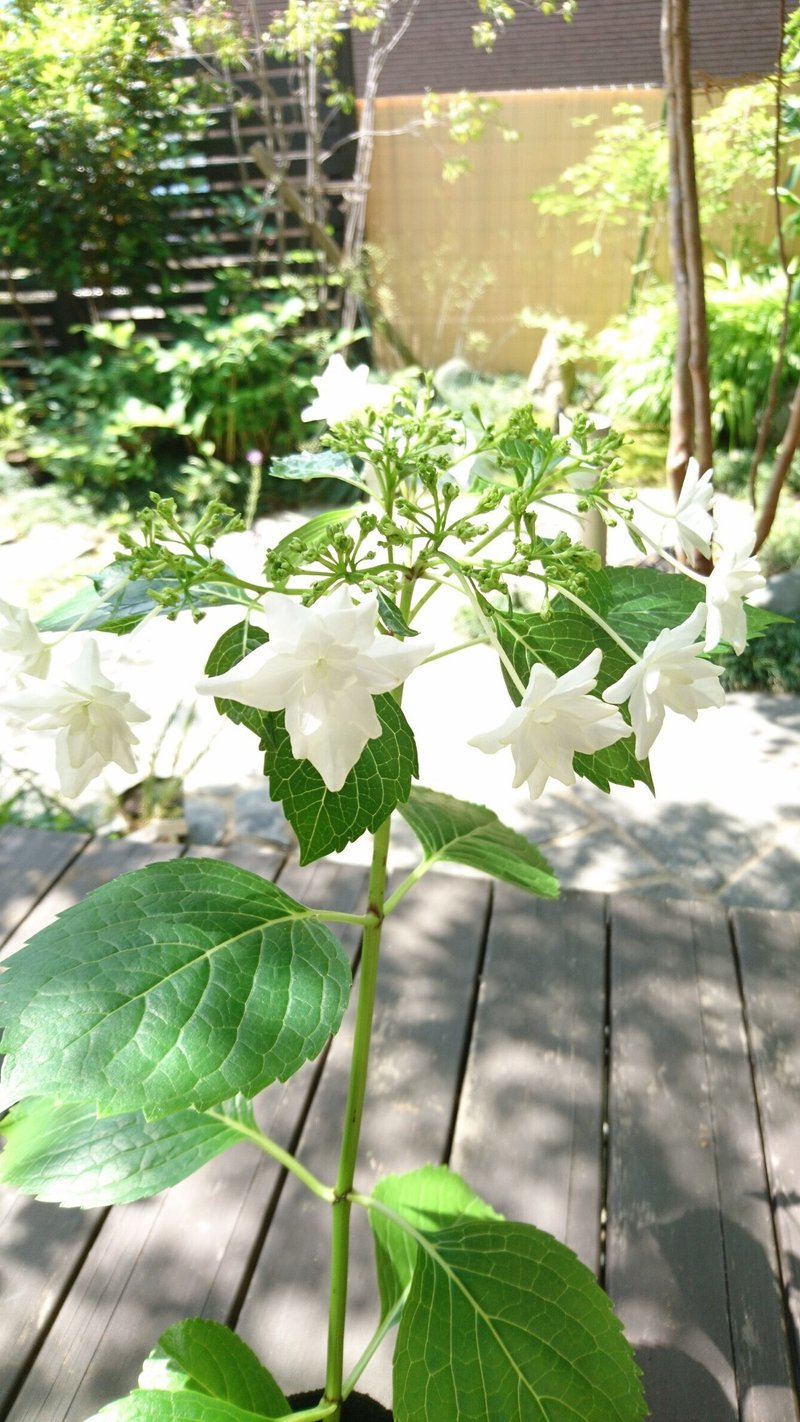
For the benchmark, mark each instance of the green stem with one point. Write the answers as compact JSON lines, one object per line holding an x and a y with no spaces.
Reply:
{"x":366,"y":920}
{"x":601,"y":622}
{"x":488,"y":629}
{"x":491,"y":535}
{"x":375,"y":1341}
{"x":354,"y":1111}
{"x":340,"y":1225}
{"x":460,"y":647}
{"x":663,"y":552}
{"x":411,"y":879}
{"x":271,"y":1148}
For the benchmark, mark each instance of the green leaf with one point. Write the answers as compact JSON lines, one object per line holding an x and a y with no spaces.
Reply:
{"x":177,"y":985}
{"x":62,"y":1152}
{"x":430,"y":1198}
{"x":111,"y":604}
{"x":462,"y":833}
{"x":324,"y":464}
{"x":231,"y":648}
{"x":392,"y":618}
{"x":535,"y":1336}
{"x":315,"y":528}
{"x":324,"y":820}
{"x":203,"y":1356}
{"x":161,"y":1406}
{"x":639,"y":602}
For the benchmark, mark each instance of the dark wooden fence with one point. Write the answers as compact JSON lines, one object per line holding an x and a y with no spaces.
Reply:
{"x":218,"y":167}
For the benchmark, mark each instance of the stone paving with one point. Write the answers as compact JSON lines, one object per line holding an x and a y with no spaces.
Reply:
{"x":725,"y":822}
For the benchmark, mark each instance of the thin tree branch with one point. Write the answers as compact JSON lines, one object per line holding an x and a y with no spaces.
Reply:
{"x":783,"y":463}
{"x":768,"y":413}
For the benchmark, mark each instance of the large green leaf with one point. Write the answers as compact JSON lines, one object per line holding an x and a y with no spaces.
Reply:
{"x":62,"y":1151}
{"x":202,"y":1356}
{"x":429,"y":1199}
{"x":177,"y":985}
{"x":502,"y":1321}
{"x":111,"y":604}
{"x":324,"y":820}
{"x":463,"y":833}
{"x":639,"y":602}
{"x":157,"y":1406}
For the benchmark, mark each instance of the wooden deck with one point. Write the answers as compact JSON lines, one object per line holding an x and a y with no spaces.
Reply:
{"x":624,"y":1073}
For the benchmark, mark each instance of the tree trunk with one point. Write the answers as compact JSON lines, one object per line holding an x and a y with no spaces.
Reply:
{"x":681,"y":415}
{"x":690,"y":407}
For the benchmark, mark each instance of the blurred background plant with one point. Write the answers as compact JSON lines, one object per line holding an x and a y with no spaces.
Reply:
{"x":132,"y":413}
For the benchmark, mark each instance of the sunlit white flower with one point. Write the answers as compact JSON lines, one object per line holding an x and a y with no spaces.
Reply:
{"x":322,"y":666}
{"x":343,"y":393}
{"x":556,"y":718}
{"x":672,"y":673}
{"x":20,"y":641}
{"x":694,"y":522}
{"x":734,"y":577}
{"x":92,"y":720}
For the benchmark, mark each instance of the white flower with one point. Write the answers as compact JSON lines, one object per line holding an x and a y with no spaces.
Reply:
{"x":343,"y":393}
{"x":20,"y":641}
{"x":556,"y":718}
{"x":91,"y":719}
{"x":694,"y":522}
{"x":735,"y":576}
{"x":672,"y":673}
{"x":322,"y":666}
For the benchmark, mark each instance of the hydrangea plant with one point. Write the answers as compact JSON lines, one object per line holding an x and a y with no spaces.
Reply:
{"x":153,"y":1012}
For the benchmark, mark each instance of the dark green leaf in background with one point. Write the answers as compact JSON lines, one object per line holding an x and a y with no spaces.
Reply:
{"x":106,"y":607}
{"x":178,"y":985}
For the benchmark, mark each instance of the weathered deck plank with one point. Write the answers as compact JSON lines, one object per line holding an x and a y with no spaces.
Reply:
{"x":530,"y":1121}
{"x":184,"y":1252}
{"x":691,"y":1263}
{"x":769,"y":954}
{"x":428,"y":960}
{"x":30,"y":862}
{"x":513,"y":994}
{"x":101,"y":860}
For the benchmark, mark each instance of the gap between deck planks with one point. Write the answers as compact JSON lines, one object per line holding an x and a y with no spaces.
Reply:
{"x":695,"y":1263}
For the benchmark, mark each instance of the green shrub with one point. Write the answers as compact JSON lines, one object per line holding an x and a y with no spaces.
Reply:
{"x":636,"y":355}
{"x":768,"y":663}
{"x":92,"y":132}
{"x":130,"y":413}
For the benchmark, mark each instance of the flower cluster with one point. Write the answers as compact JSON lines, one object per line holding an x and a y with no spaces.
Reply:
{"x":328,"y":649}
